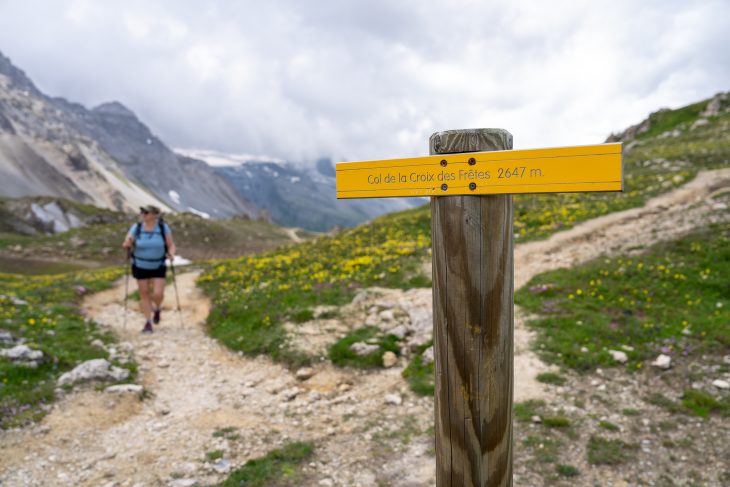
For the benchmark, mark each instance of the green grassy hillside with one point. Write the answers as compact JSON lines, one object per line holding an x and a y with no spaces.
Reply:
{"x":672,"y":299}
{"x":254,"y":296}
{"x":42,"y":313}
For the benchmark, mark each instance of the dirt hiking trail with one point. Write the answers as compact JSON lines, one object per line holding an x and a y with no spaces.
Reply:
{"x":202,"y":398}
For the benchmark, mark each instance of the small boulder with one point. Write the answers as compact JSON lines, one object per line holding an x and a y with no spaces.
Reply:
{"x":393,"y":399}
{"x":399,"y":331}
{"x":125,"y":389}
{"x":362,"y":348}
{"x":96,"y":369}
{"x":663,"y":362}
{"x":387,"y":315}
{"x":389,"y":359}
{"x":6,"y":337}
{"x":619,"y":356}
{"x":427,"y":356}
{"x":183,"y":483}
{"x":721,"y":384}
{"x":305,"y":373}
{"x":21,"y":353}
{"x":222,"y":465}
{"x":290,"y":394}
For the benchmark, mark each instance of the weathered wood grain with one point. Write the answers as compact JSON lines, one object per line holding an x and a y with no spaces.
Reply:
{"x":473,"y":296}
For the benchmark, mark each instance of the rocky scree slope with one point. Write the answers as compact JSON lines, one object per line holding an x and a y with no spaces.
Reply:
{"x":104,"y":156}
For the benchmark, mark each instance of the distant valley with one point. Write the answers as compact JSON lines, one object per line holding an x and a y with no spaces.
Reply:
{"x":294,"y":195}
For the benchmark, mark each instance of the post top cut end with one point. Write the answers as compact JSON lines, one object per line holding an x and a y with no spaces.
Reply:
{"x":469,"y":140}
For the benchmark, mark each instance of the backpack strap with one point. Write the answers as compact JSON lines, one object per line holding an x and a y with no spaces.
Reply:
{"x":161,"y":224}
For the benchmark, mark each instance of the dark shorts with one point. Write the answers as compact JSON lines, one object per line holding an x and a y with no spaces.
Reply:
{"x":138,"y":273}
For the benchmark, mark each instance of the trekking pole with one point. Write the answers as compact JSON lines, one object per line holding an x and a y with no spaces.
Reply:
{"x":126,"y":287}
{"x":177,"y":296}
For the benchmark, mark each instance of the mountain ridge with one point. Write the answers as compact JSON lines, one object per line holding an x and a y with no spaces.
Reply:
{"x":50,"y":146}
{"x":296,"y":196}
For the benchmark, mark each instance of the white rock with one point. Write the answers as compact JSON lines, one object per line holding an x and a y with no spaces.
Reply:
{"x":628,"y":348}
{"x":305,"y":373}
{"x":97,"y":343}
{"x":663,"y":362}
{"x":183,"y":483}
{"x":362,"y":348}
{"x":326,"y":483}
{"x":399,"y":331}
{"x":619,"y":356}
{"x":536,"y":419}
{"x":721,"y":384}
{"x":393,"y":399}
{"x":125,"y":389}
{"x":97,"y":369}
{"x":21,"y":352}
{"x":387,"y":315}
{"x":583,"y":350}
{"x":290,"y":394}
{"x":222,"y":466}
{"x":389,"y":359}
{"x":360,"y":297}
{"x":427,"y":356}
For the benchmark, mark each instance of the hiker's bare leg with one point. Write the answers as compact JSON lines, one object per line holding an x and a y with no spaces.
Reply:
{"x":144,"y":298}
{"x":158,"y":293}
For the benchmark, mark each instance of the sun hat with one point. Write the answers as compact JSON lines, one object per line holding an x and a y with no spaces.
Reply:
{"x":150,"y":209}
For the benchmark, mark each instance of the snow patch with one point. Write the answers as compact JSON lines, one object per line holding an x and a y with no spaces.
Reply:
{"x":174,"y":196}
{"x":198,"y":212}
{"x":295,"y":179}
{"x":178,"y":261}
{"x":221,"y":159}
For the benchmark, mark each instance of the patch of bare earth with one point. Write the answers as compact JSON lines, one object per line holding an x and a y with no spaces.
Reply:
{"x":368,"y":428}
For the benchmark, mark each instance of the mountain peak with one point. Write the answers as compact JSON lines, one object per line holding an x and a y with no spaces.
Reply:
{"x":17,"y":77}
{"x":114,"y":108}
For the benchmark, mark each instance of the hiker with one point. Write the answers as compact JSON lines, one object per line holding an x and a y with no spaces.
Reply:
{"x":149,"y":241}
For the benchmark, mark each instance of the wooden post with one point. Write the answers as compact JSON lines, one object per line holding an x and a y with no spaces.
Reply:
{"x":473,"y":306}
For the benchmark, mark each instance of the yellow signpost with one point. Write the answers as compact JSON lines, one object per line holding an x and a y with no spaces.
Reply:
{"x":473,"y":275}
{"x":554,"y":170}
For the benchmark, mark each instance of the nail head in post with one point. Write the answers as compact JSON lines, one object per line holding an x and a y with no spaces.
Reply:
{"x":472,"y":186}
{"x":443,"y":163}
{"x":444,"y":187}
{"x":472,"y":161}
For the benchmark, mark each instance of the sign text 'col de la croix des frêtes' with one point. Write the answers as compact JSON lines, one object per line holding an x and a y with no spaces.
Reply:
{"x":554,"y":170}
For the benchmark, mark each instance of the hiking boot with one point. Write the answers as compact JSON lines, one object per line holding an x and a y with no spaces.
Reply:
{"x":156,"y":317}
{"x":147,"y":328}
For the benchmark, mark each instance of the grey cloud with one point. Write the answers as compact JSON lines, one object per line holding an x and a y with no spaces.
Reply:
{"x":302,"y":80}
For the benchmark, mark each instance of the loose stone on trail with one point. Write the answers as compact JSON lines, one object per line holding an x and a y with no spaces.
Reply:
{"x":663,"y":362}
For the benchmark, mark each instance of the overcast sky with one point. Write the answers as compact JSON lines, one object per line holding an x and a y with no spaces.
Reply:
{"x":352,"y":80}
